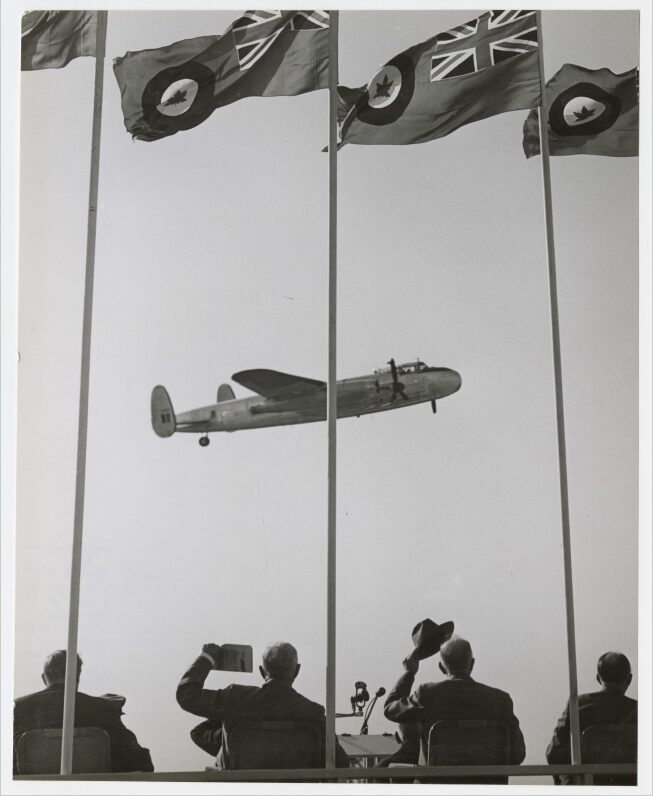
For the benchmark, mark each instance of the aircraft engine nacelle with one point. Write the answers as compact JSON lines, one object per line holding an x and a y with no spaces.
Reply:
{"x":225,"y":393}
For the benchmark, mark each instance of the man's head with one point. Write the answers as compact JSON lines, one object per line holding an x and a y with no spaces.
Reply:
{"x":279,"y":662}
{"x":613,"y":669}
{"x":54,"y":668}
{"x":456,"y":657}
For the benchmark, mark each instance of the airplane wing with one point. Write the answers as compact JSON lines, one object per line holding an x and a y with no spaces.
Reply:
{"x":275,"y":385}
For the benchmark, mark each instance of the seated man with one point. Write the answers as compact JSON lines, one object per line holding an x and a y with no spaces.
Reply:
{"x":455,"y":697}
{"x":275,"y":700}
{"x":44,"y":710}
{"x":610,"y":705}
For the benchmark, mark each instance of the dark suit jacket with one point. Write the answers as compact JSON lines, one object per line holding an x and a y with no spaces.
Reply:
{"x":44,"y":710}
{"x":608,"y":706}
{"x":274,"y":701}
{"x":453,"y":698}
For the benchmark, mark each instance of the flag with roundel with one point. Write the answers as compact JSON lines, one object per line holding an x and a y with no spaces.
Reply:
{"x":484,"y":67}
{"x":590,"y":112}
{"x":262,"y":54}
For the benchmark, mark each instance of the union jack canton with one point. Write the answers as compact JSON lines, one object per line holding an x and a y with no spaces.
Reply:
{"x":256,"y":31}
{"x":487,"y":41}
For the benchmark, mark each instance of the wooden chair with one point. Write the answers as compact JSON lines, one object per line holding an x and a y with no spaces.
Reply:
{"x":469,"y":742}
{"x":39,"y":751}
{"x":274,"y":744}
{"x":610,"y":743}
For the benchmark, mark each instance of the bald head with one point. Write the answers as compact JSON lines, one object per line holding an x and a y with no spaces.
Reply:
{"x":279,"y":662}
{"x":456,"y":657}
{"x":613,"y":669}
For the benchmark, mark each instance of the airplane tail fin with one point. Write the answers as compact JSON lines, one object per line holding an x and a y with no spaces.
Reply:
{"x":225,"y":393}
{"x":164,"y":421}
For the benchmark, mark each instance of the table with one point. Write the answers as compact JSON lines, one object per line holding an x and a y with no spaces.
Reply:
{"x":369,"y":749}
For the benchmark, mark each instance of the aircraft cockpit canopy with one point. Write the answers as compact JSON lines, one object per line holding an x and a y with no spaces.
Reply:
{"x":407,"y":367}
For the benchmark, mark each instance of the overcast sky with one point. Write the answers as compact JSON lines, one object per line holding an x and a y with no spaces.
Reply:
{"x":212,"y":257}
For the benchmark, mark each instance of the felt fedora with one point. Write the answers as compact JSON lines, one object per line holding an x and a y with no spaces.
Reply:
{"x":428,"y":637}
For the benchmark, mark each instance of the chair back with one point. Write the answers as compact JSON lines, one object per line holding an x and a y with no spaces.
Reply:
{"x":274,"y":744}
{"x":609,"y":743}
{"x":39,"y":751}
{"x":468,"y":742}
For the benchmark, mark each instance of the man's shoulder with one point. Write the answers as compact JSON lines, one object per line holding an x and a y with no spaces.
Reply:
{"x":35,"y":698}
{"x":603,"y":695}
{"x":498,"y":693}
{"x":26,"y":698}
{"x":315,"y":707}
{"x":468,"y":683}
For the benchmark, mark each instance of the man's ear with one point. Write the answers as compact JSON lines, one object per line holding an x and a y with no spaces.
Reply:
{"x":299,"y":666}
{"x":471,"y":665}
{"x":262,"y":671}
{"x":442,"y":669}
{"x":629,"y":680}
{"x":43,"y":678}
{"x":598,"y":680}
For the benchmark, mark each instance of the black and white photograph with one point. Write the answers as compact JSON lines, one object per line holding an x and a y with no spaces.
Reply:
{"x":326,"y":399}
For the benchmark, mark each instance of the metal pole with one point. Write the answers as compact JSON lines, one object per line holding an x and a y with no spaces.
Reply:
{"x":330,"y":734}
{"x":562,"y":453}
{"x":75,"y":574}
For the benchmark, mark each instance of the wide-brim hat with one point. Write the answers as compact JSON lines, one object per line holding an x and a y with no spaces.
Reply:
{"x":428,"y":637}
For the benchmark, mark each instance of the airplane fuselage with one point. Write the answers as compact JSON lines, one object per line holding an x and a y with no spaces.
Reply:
{"x":355,"y":397}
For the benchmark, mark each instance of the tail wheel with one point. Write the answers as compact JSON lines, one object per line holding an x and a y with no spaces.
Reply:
{"x":204,"y":441}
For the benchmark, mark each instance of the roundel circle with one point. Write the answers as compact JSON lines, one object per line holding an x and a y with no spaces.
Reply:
{"x":178,"y":98}
{"x":389,"y":92}
{"x":583,"y":109}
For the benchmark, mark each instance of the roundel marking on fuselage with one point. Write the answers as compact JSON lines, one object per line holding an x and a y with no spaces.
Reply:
{"x":389,"y":92}
{"x":583,"y":109}
{"x":179,"y":97}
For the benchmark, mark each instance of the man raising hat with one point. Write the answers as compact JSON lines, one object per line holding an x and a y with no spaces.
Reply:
{"x":458,"y":696}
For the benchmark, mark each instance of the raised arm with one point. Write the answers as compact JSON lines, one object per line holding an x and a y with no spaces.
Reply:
{"x":400,"y":705}
{"x":191,"y":694}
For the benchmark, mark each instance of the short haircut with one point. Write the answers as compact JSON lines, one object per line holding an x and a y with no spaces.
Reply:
{"x":280,"y":660}
{"x":613,"y":667}
{"x":456,"y":655}
{"x":54,"y":667}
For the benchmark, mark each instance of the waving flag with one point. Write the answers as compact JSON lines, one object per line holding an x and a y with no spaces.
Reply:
{"x":591,"y":112}
{"x":50,"y":39}
{"x":487,"y":66}
{"x":262,"y":54}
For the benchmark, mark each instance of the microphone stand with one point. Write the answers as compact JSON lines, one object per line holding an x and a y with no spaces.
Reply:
{"x":368,"y":712}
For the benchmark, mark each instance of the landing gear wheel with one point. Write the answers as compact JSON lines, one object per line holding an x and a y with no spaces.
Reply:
{"x":204,"y":441}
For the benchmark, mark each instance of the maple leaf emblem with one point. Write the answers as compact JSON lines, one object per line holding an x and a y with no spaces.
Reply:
{"x":584,"y":113}
{"x":177,"y":98}
{"x":383,"y":89}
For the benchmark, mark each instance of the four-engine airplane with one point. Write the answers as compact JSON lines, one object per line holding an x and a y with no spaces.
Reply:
{"x":285,"y":400}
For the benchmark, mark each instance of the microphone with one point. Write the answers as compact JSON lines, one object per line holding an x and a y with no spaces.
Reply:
{"x":368,"y":713}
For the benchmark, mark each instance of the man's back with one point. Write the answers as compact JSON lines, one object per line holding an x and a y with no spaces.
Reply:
{"x":273,"y":701}
{"x":44,"y":710}
{"x":464,"y":698}
{"x":607,"y":706}
{"x":457,"y":697}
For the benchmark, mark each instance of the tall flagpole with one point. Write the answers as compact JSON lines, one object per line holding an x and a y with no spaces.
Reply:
{"x":330,"y":729}
{"x":75,"y":574}
{"x":562,"y":452}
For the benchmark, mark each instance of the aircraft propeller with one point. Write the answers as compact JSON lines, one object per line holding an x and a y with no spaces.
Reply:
{"x":397,"y":387}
